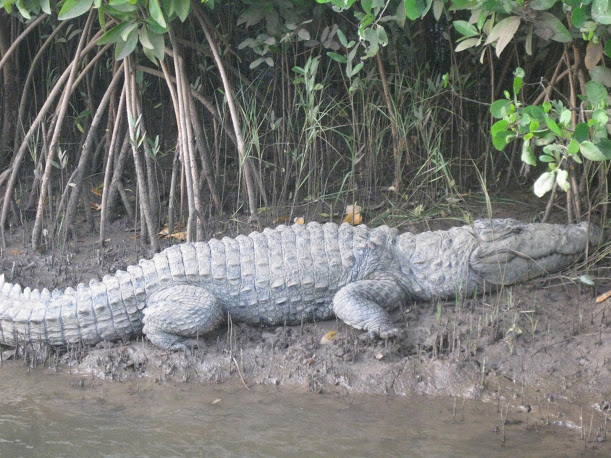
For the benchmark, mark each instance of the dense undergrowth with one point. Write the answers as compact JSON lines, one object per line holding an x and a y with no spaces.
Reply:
{"x":235,"y":125}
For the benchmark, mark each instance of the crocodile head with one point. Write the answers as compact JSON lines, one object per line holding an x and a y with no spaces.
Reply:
{"x":494,"y":252}
{"x":508,"y":251}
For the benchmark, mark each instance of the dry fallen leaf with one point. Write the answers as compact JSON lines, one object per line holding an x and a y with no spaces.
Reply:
{"x":353,"y":209}
{"x":179,"y":235}
{"x":353,"y":215}
{"x":299,"y":220}
{"x":95,"y":206}
{"x":603,"y":297}
{"x":329,"y":337}
{"x":353,"y":218}
{"x":98,"y":189}
{"x":594,"y":52}
{"x":281,"y":220}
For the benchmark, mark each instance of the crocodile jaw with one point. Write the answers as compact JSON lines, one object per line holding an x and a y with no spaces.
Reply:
{"x":509,"y":252}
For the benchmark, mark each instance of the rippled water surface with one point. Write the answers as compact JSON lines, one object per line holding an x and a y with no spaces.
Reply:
{"x":43,"y":413}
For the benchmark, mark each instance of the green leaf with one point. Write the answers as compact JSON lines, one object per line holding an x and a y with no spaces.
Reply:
{"x":143,"y":35}
{"x":182,"y":8}
{"x":382,"y":36}
{"x":517,"y":84}
{"x":502,"y":139}
{"x":74,"y":8}
{"x":565,"y":117}
{"x":113,"y":35}
{"x":528,"y":154}
{"x":601,"y":12}
{"x":549,"y":27}
{"x":544,"y":184}
{"x":601,"y":117}
{"x":156,"y":13}
{"x":416,"y":8}
{"x":545,"y":140}
{"x":158,"y":42}
{"x":562,"y":179}
{"x":591,"y":151}
{"x":437,"y":9}
{"x":337,"y":57}
{"x":535,"y":112}
{"x":468,"y":43}
{"x":601,"y":74}
{"x":155,"y":27}
{"x":23,"y":10}
{"x":596,"y":92}
{"x":554,"y":150}
{"x":499,"y":126}
{"x":355,"y":70}
{"x":342,"y":38}
{"x":45,"y":5}
{"x":579,"y":17}
{"x":541,"y":4}
{"x":124,"y":48}
{"x":465,"y":29}
{"x":573,"y":147}
{"x":604,"y":145}
{"x":554,"y":127}
{"x":582,"y":132}
{"x":128,"y":30}
{"x":500,"y":108}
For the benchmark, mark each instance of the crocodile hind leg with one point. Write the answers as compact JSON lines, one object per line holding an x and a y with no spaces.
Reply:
{"x":364,"y":304}
{"x":175,"y":316}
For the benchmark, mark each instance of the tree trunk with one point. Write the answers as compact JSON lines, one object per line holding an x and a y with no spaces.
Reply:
{"x":10,"y":90}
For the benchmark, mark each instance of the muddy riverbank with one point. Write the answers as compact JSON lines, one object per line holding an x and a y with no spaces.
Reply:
{"x":544,"y":347}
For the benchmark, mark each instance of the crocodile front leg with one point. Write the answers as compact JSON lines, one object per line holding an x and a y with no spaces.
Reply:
{"x":364,"y":304}
{"x":175,"y":316}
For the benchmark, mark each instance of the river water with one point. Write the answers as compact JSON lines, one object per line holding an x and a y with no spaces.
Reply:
{"x":45,"y":413}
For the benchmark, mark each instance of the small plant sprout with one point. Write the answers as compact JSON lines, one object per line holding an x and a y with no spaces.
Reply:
{"x":534,"y":322}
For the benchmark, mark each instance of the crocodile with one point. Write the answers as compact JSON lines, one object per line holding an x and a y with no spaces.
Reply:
{"x":288,"y":275}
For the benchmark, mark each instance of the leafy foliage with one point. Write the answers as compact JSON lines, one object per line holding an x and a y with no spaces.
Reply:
{"x":550,"y":127}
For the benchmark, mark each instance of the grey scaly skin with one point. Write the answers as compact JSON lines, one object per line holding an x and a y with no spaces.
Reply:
{"x":288,"y":275}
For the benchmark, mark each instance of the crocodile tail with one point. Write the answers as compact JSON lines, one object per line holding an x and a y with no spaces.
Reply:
{"x":87,"y":315}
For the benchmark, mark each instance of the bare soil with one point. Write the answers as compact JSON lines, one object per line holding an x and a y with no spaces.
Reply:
{"x":543,"y":347}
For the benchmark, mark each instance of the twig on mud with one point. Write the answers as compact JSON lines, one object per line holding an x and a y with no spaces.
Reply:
{"x":562,"y":341}
{"x":239,"y":371}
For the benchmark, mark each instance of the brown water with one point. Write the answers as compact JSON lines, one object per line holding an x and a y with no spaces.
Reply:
{"x":43,"y":413}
